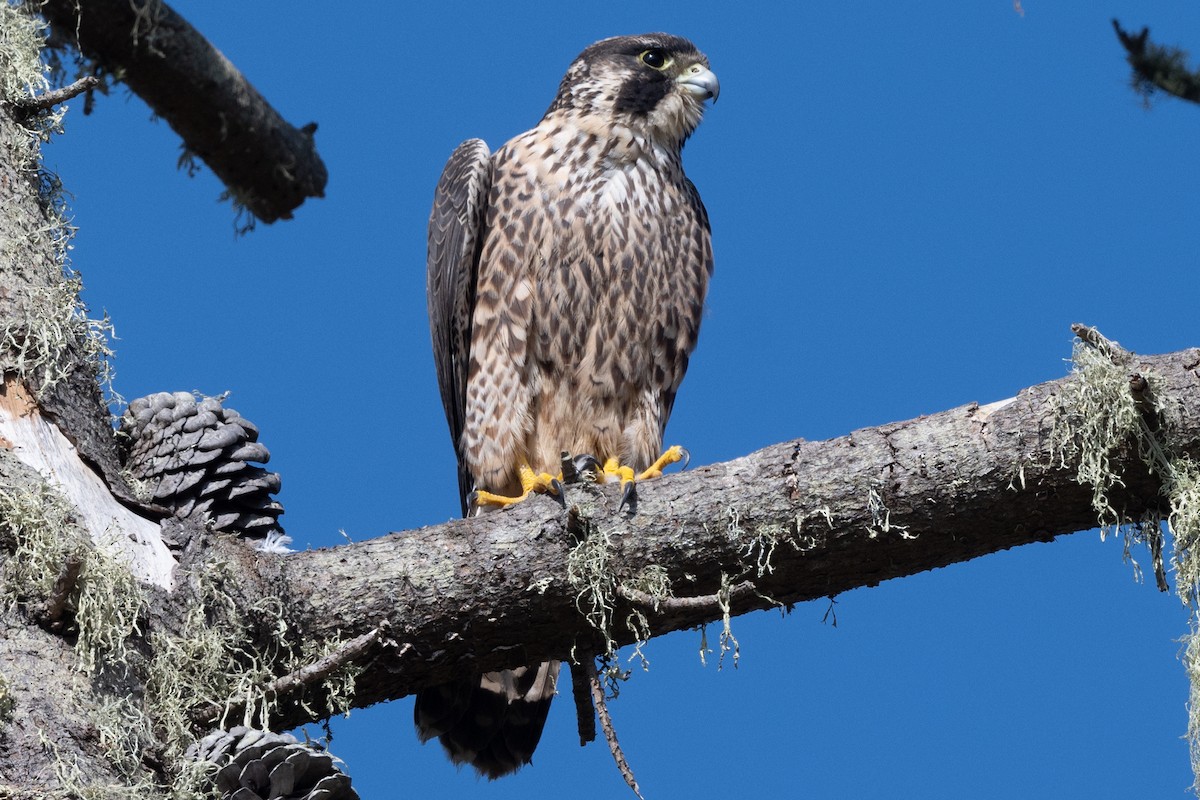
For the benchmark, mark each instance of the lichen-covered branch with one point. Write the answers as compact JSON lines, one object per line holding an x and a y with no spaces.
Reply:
{"x":268,"y":166}
{"x":796,"y":521}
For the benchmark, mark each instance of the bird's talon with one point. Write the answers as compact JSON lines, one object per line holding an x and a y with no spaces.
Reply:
{"x":531,"y":482}
{"x":576,"y":469}
{"x":671,"y":455}
{"x":587,"y":466}
{"x":628,"y":497}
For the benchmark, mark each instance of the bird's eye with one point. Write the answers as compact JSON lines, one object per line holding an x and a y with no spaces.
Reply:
{"x":655,"y":59}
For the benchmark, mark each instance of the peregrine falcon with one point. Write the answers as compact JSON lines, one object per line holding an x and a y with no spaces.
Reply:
{"x":566,"y":280}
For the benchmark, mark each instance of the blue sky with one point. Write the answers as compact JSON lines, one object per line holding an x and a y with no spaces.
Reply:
{"x":911,"y":202}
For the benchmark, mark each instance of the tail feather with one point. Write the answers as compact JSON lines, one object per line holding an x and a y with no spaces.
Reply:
{"x":493,"y":721}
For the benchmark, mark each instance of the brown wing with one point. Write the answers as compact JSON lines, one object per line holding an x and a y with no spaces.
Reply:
{"x":695,"y":269}
{"x":455,"y":238}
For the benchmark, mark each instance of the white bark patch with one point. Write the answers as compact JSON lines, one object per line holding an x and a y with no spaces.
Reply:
{"x":41,"y":445}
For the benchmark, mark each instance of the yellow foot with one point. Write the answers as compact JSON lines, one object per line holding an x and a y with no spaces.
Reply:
{"x":673,"y":455}
{"x":613,"y":469}
{"x":543,"y":483}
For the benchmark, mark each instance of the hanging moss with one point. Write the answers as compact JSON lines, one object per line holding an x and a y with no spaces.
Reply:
{"x":1098,"y":417}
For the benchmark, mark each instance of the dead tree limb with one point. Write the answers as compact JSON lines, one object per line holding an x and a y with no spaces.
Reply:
{"x":1156,"y":67}
{"x":798,"y":520}
{"x":268,"y":165}
{"x":52,"y":98}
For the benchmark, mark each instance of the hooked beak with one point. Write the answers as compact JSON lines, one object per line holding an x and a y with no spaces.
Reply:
{"x":701,"y":82}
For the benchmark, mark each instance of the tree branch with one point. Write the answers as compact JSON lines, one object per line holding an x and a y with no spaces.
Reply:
{"x":606,"y":724}
{"x":1158,"y":68}
{"x":799,"y":520}
{"x":268,"y":165}
{"x":52,"y":98}
{"x":290,"y":684}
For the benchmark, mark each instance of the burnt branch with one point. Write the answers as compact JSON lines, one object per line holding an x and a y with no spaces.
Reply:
{"x":268,"y":166}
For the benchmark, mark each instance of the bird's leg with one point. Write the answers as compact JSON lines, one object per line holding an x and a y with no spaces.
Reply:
{"x":613,"y":469}
{"x":671,"y":455}
{"x":542,"y":483}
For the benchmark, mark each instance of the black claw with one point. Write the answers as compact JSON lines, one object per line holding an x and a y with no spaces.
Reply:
{"x":687,"y":458}
{"x":587,"y":466}
{"x":583,"y":467}
{"x":556,"y":488}
{"x":629,"y":497}
{"x":586,"y":462}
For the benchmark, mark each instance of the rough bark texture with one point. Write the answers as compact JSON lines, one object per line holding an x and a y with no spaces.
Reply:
{"x":791,"y":522}
{"x":829,"y":516}
{"x":49,"y":695}
{"x":267,"y":164}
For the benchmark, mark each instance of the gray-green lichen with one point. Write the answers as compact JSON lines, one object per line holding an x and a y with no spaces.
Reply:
{"x":1098,"y":416}
{"x":106,"y":602}
{"x":46,"y":332}
{"x":53,"y":334}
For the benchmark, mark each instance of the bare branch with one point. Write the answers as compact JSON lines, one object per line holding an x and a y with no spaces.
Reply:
{"x":268,"y":165}
{"x":708,"y":602}
{"x":52,"y":98}
{"x":606,"y":725}
{"x":285,"y":685}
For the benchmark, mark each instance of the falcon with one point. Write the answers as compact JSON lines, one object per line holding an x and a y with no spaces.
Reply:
{"x":566,"y":280}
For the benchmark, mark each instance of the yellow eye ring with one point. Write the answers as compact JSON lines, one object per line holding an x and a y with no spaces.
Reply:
{"x":655,"y":59}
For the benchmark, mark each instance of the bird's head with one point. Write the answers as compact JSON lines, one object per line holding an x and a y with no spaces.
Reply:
{"x":654,"y":83}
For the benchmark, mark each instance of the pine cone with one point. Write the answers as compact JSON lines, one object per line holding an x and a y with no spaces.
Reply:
{"x":192,"y":453}
{"x":260,"y":765}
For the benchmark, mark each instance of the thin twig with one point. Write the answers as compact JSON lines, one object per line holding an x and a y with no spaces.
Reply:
{"x":739,"y":592}
{"x":585,"y":715}
{"x":52,"y":98}
{"x":610,"y":733}
{"x":315,"y":672}
{"x":325,"y":666}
